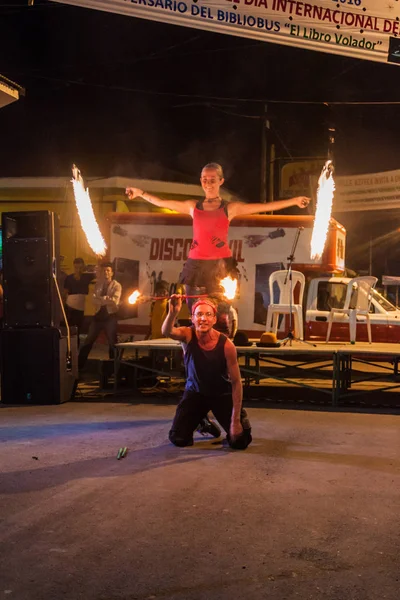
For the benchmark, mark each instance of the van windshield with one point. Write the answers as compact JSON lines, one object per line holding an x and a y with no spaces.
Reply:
{"x":386,"y":305}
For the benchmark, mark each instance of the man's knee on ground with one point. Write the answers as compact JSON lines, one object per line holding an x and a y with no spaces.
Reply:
{"x":178,"y":440}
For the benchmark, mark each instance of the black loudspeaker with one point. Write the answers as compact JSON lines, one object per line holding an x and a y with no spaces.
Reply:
{"x":126,"y":272}
{"x":35,"y":367}
{"x":31,"y":250}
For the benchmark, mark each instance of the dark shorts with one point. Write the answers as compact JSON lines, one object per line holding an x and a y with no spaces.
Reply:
{"x":207,"y":273}
{"x":194,"y":406}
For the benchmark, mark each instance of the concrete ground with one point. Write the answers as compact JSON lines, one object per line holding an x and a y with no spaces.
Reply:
{"x":309,"y":511}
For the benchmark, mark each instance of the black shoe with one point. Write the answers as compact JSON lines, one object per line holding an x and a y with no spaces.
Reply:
{"x":208,"y":427}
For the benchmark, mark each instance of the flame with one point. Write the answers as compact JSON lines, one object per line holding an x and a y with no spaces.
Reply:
{"x":229,"y":286}
{"x":325,"y":192}
{"x":86,"y":215}
{"x":133,"y":298}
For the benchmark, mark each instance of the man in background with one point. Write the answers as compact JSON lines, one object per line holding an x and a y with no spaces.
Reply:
{"x":106,"y":298}
{"x":76,"y":288}
{"x":227,"y":318}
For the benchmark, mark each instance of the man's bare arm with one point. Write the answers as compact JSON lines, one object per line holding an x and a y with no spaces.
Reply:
{"x":237,"y":387}
{"x":182,"y":334}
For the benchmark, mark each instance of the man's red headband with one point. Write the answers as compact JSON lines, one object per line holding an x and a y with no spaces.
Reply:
{"x":208,"y":302}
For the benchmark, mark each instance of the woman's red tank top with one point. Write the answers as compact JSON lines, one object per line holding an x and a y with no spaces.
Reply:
{"x":210,"y":234}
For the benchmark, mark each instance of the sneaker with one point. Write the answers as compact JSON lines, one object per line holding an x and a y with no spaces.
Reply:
{"x":208,"y":427}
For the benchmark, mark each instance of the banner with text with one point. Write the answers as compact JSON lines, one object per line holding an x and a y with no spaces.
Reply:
{"x":374,"y":191}
{"x":365,"y":29}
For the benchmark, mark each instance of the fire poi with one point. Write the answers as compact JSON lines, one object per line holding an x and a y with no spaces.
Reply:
{"x":133,"y":298}
{"x":228,"y":284}
{"x":325,"y":192}
{"x":86,"y":214}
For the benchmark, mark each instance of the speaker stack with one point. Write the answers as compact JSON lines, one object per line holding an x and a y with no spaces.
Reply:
{"x":38,"y":358}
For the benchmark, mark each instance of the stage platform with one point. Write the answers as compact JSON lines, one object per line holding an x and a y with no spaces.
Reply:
{"x":336,"y":370}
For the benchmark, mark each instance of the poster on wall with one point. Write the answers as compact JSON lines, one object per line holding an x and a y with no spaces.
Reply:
{"x":363,"y":29}
{"x":296,"y":178}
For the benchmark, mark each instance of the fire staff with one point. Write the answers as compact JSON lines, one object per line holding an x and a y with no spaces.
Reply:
{"x":210,"y":258}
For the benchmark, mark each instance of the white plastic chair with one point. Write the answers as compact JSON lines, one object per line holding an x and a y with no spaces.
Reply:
{"x":282,"y":307}
{"x":357,"y":302}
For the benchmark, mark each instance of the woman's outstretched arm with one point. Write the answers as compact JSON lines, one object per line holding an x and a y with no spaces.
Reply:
{"x":237,"y":209}
{"x":182,"y":206}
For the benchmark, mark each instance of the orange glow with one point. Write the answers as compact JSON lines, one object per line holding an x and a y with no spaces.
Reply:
{"x":230,"y":286}
{"x":133,"y":298}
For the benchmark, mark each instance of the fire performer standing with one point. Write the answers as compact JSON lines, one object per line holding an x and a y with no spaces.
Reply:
{"x":213,"y":379}
{"x":210,"y":258}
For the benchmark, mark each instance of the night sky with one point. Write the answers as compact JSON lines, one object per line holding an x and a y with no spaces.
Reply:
{"x":129,"y":97}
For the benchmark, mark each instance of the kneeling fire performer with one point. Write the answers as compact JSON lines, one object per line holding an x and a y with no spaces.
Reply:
{"x":212,"y":377}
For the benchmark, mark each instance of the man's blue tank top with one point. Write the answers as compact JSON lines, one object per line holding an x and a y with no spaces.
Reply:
{"x":206,"y":370}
